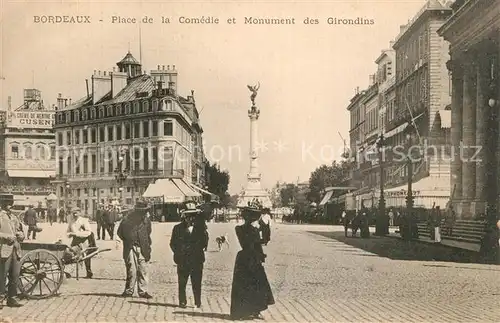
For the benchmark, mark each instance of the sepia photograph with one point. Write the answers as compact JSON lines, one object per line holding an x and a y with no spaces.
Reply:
{"x":275,"y":161}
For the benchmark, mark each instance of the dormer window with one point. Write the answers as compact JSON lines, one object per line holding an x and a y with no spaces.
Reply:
{"x":68,"y":116}
{"x":169,"y":106}
{"x":118,"y":109}
{"x":127,"y":108}
{"x":101,"y":112}
{"x":110,"y":111}
{"x":84,"y":114}
{"x":136,"y":107}
{"x":92,"y":113}
{"x":76,"y":116}
{"x":147,"y":107}
{"x":155,"y":105}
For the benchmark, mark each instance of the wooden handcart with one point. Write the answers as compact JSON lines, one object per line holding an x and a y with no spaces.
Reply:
{"x":42,"y":267}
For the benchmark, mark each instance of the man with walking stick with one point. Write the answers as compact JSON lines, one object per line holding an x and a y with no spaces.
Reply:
{"x":135,"y":233}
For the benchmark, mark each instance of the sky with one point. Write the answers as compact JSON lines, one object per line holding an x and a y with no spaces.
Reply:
{"x":307,"y":73}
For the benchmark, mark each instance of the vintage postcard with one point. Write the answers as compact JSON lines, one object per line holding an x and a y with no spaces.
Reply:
{"x":284,"y":161}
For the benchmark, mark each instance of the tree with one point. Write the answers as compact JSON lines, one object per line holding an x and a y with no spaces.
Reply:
{"x":217,"y":181}
{"x":288,"y":194}
{"x":325,"y":176}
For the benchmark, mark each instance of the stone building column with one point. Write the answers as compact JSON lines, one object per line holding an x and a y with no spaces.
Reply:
{"x":469,"y":132}
{"x":456,"y":129}
{"x":482,"y":115}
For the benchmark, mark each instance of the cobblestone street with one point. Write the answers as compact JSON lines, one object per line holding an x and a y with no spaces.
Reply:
{"x":317,"y":275}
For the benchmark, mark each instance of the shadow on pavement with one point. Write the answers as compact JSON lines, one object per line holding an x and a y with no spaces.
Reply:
{"x":154,"y":303}
{"x":462,"y":267}
{"x":219,"y":316}
{"x":102,"y":294}
{"x":397,"y":249}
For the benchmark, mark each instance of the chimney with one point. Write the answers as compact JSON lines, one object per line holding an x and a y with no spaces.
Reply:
{"x":402,"y":28}
{"x":101,"y":85}
{"x":118,"y":82}
{"x":60,"y":102}
{"x":391,"y":43}
{"x":65,"y":102}
{"x":164,"y":75}
{"x":9,"y":103}
{"x":171,"y":88}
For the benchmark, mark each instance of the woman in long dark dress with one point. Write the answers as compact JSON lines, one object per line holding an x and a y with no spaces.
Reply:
{"x":251,"y":292}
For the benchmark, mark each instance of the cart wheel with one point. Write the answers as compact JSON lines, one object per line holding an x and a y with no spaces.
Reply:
{"x":41,"y":274}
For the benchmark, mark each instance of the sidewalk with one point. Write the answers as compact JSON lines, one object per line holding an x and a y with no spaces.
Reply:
{"x":444,"y":242}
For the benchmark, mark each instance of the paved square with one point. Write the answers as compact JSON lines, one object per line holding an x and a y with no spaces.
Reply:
{"x":316,"y":274}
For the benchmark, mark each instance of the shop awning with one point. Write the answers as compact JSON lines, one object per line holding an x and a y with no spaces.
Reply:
{"x":185,"y":188}
{"x":326,"y":198}
{"x":445,"y":116}
{"x":202,"y":191}
{"x":165,"y":189}
{"x":32,"y":173}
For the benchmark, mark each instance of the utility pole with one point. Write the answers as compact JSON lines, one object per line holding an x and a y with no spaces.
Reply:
{"x":381,"y":225}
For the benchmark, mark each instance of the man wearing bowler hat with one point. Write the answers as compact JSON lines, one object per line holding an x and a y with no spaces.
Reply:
{"x":135,"y":232}
{"x":188,"y":243}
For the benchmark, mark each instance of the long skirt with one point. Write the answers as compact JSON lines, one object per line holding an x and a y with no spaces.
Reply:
{"x":251,"y":292}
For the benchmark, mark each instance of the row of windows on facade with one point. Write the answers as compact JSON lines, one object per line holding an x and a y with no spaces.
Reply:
{"x":390,"y":174}
{"x":90,"y":113}
{"x":91,"y":192}
{"x":147,"y":156}
{"x":81,"y":136}
{"x":26,"y":152}
{"x":412,"y":52}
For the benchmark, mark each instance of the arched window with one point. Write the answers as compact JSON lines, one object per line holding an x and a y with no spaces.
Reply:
{"x":76,"y":116}
{"x":28,"y":154}
{"x":84,"y":114}
{"x":155,"y":105}
{"x":92,"y":113}
{"x":127,"y":108}
{"x":101,"y":112}
{"x":14,"y":151}
{"x":110,"y":111}
{"x":40,"y":152}
{"x":137,"y":108}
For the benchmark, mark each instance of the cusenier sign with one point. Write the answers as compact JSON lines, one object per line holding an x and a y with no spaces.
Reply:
{"x":32,"y":120}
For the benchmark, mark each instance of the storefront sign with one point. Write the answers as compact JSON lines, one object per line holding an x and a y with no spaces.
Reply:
{"x":32,"y":119}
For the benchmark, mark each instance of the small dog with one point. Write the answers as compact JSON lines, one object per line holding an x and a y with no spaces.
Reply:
{"x":221,"y":240}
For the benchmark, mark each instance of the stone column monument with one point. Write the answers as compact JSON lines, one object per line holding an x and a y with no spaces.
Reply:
{"x":253,"y":190}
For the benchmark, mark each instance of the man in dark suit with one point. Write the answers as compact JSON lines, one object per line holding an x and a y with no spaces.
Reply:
{"x":188,"y":243}
{"x":30,"y":219}
{"x":99,"y":218}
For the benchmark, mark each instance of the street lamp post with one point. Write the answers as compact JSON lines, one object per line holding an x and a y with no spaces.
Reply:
{"x":120,"y":176}
{"x":381,"y":227}
{"x":66,"y":196}
{"x":408,"y":234}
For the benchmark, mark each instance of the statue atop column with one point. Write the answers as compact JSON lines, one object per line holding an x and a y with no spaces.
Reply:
{"x":254,"y":90}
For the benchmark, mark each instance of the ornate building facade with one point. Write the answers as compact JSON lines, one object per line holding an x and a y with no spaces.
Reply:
{"x":28,"y":151}
{"x":411,"y":83}
{"x":129,"y":123}
{"x":473,"y":33}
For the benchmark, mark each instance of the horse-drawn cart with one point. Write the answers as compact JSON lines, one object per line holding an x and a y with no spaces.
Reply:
{"x":42,"y":266}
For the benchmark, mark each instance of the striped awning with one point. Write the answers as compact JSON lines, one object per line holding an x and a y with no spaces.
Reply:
{"x":326,"y":198}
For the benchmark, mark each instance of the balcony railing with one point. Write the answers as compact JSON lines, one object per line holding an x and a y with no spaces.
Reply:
{"x":159,"y":173}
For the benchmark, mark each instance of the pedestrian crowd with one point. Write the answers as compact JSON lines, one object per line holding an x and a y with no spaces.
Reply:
{"x":251,"y":292}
